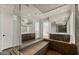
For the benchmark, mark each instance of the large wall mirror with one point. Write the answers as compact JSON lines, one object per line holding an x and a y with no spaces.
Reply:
{"x":61,"y":28}
{"x":26,"y":24}
{"x":61,"y":24}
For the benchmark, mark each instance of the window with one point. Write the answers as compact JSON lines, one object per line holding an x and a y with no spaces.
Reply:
{"x":37,"y":29}
{"x":45,"y":29}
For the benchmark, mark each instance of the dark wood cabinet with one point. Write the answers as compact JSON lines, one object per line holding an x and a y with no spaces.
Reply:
{"x":29,"y":36}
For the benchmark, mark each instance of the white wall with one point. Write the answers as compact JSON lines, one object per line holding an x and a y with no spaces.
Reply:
{"x":0,"y":32}
{"x":72,"y":25}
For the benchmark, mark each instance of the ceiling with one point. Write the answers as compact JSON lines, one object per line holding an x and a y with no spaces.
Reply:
{"x":36,"y":12}
{"x":47,"y":7}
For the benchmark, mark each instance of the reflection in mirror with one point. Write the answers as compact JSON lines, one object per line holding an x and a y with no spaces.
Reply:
{"x":25,"y":25}
{"x":61,"y":28}
{"x":63,"y":25}
{"x":46,"y":29}
{"x":26,"y":28}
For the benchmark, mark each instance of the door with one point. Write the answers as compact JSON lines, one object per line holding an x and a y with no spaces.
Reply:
{"x":7,"y":28}
{"x":10,"y":35}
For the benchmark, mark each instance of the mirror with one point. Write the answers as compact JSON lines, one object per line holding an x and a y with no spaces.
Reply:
{"x":61,"y":28}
